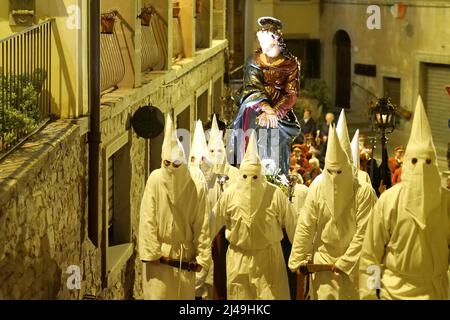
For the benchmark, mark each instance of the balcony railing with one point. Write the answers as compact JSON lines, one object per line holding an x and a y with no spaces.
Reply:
{"x":25,"y":84}
{"x":112,"y":65}
{"x":154,"y":40}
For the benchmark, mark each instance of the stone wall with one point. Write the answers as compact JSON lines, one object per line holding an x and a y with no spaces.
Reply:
{"x":42,"y":203}
{"x":43,"y":194}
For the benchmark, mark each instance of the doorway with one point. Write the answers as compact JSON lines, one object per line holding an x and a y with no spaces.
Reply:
{"x":342,"y":44}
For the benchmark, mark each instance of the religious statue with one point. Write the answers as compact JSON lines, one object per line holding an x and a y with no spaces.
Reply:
{"x":269,"y":92}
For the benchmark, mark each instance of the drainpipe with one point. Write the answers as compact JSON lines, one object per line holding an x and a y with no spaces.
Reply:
{"x":94,"y":121}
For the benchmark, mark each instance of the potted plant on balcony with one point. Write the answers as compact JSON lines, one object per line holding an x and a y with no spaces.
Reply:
{"x":176,"y":9}
{"x":146,"y":15}
{"x":23,"y":17}
{"x":198,"y":6}
{"x":21,"y":113}
{"x":107,"y":22}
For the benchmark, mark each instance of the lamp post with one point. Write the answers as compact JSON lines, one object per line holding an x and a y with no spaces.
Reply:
{"x":383,"y":122}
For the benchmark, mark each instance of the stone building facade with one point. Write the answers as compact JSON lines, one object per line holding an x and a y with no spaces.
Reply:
{"x":44,"y":221}
{"x":410,"y":49}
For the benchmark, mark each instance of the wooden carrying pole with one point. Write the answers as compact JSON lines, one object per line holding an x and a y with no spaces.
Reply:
{"x":219,"y":250}
{"x":303,"y":276}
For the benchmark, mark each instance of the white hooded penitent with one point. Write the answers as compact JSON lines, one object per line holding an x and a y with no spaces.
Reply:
{"x":199,"y":148}
{"x":251,"y":182}
{"x":217,"y":153}
{"x":408,"y":232}
{"x":331,"y":225}
{"x":254,"y":213}
{"x":338,"y":176}
{"x":175,"y":174}
{"x":420,"y":174}
{"x":172,"y":224}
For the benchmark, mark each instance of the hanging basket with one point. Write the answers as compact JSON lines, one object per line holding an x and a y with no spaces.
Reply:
{"x":146,"y":15}
{"x":107,"y":22}
{"x":198,"y":6}
{"x":176,"y":9}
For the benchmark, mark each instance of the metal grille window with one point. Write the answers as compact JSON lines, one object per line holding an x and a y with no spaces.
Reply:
{"x":118,"y":188}
{"x":25,"y":84}
{"x":217,"y":96}
{"x":436,"y":100}
{"x":202,"y":107}
{"x":111,"y":201}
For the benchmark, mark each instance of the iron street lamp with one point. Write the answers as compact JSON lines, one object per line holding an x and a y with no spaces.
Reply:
{"x":383,"y":122}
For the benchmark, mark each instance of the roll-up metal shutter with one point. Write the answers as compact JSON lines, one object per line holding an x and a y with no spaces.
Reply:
{"x":437,"y":104}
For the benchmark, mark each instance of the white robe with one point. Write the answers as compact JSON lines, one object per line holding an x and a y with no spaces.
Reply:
{"x":414,"y":263}
{"x":205,"y":278}
{"x":255,"y":264}
{"x":175,"y":231}
{"x":364,"y":177}
{"x":214,"y":194}
{"x":200,"y":277}
{"x":332,"y":242}
{"x":298,"y":201}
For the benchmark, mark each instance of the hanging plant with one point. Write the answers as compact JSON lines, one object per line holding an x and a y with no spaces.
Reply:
{"x":176,"y":9}
{"x":198,"y":6}
{"x":19,"y":98}
{"x":146,"y":15}
{"x":107,"y":22}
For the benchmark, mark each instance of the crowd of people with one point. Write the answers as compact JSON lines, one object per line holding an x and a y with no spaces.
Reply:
{"x":309,"y":148}
{"x":334,"y":219}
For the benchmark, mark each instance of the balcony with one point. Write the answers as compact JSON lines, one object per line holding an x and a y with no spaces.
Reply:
{"x":112,"y":65}
{"x":25,"y":84}
{"x":154,"y":40}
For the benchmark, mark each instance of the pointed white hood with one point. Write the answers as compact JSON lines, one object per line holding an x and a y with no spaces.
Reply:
{"x":360,"y":174}
{"x":338,"y":178}
{"x":251,"y":162}
{"x":355,"y":150}
{"x":173,"y":179}
{"x":199,"y":148}
{"x":344,"y":138}
{"x":216,"y":148}
{"x":251,"y":183}
{"x":172,"y":149}
{"x":421,"y":183}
